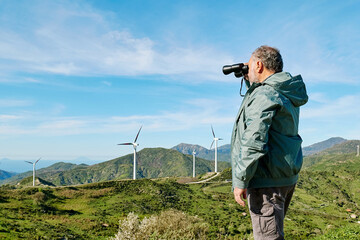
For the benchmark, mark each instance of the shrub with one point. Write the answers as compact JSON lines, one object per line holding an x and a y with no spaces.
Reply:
{"x":39,"y":198}
{"x":170,"y":224}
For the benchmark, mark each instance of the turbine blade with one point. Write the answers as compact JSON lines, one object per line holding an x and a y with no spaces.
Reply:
{"x":212,"y":131}
{"x":125,"y":144}
{"x":221,"y":139}
{"x":212,"y":144}
{"x":137,"y":134}
{"x":37,"y":160}
{"x":29,"y":162}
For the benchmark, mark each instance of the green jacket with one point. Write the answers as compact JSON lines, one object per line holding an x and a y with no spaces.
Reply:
{"x":265,"y":145}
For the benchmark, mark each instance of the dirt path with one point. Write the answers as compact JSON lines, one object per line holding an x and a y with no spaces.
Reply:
{"x":205,"y":180}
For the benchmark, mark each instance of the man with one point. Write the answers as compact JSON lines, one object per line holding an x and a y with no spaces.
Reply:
{"x":265,"y":146}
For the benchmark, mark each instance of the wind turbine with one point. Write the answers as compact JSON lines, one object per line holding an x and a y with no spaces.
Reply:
{"x":33,"y":163}
{"x":134,"y":145}
{"x":216,"y":141}
{"x":193,"y":153}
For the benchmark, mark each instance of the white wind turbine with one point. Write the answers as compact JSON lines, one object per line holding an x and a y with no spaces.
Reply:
{"x":134,"y":145}
{"x":33,"y":163}
{"x":216,"y":141}
{"x":193,"y":153}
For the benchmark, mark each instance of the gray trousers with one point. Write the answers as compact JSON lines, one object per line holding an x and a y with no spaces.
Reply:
{"x":268,"y":207}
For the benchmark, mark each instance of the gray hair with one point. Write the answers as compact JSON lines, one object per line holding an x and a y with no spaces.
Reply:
{"x":270,"y":57}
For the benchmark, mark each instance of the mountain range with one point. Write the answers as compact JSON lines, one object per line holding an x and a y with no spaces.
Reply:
{"x":152,"y":163}
{"x":209,"y":154}
{"x":224,"y":150}
{"x":320,"y":146}
{"x":5,"y":174}
{"x":161,"y":162}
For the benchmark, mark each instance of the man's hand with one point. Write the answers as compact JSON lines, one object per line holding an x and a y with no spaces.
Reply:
{"x":239,"y":195}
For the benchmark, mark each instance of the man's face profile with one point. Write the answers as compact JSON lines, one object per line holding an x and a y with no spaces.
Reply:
{"x":251,"y":76}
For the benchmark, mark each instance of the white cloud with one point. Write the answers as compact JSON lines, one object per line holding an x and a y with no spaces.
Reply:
{"x":63,"y":124}
{"x":9,"y":117}
{"x":91,"y":47}
{"x":107,"y":83}
{"x":7,"y":103}
{"x":343,"y":107}
{"x":319,"y":97}
{"x":334,"y":118}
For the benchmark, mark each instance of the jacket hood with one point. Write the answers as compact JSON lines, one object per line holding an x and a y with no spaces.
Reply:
{"x":291,"y":87}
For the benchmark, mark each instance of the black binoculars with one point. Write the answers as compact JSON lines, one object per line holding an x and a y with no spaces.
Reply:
{"x":239,"y":69}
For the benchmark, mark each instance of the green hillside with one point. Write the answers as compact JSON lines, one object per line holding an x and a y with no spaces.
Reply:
{"x":321,"y":208}
{"x":28,"y":181}
{"x":43,"y":172}
{"x":151,"y":163}
{"x":345,"y":147}
{"x":332,"y":162}
{"x":340,"y":156}
{"x":325,"y":204}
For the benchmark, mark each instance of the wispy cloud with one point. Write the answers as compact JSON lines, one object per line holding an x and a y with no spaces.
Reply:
{"x":335,"y":109}
{"x":8,"y":103}
{"x":198,"y":112}
{"x":91,"y":47}
{"x":9,"y":117}
{"x":107,"y":83}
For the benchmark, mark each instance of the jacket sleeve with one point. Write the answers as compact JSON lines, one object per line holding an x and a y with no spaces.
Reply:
{"x":259,"y":113}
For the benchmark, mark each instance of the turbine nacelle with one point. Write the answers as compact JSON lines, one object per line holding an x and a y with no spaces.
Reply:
{"x":135,"y":144}
{"x":33,"y":162}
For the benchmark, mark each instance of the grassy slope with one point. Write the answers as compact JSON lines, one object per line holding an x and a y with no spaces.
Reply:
{"x":319,"y":208}
{"x":83,"y":212}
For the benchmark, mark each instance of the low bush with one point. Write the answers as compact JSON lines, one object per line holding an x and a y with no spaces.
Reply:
{"x":170,"y":224}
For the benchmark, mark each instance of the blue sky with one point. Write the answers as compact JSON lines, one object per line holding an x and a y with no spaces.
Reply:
{"x":78,"y":77}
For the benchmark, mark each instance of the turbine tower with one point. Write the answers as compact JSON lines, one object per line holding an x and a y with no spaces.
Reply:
{"x":216,"y":144}
{"x":134,"y":145}
{"x":33,"y":163}
{"x":358,"y":146}
{"x":193,"y":153}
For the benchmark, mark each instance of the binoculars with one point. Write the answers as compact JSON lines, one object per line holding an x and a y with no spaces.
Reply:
{"x":239,"y":69}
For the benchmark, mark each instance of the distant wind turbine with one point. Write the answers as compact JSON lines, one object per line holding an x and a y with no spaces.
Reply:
{"x":358,"y":146}
{"x":193,"y":153}
{"x":33,"y":163}
{"x":134,"y":145}
{"x":216,"y":141}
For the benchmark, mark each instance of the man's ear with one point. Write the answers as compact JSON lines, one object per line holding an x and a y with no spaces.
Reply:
{"x":259,"y":66}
